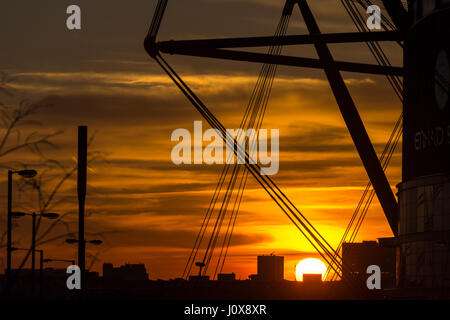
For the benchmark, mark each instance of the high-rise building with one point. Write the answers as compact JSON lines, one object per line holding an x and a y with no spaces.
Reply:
{"x":270,"y":268}
{"x":127,"y":272}
{"x":312,"y":278}
{"x":226,"y":277}
{"x":357,"y":257}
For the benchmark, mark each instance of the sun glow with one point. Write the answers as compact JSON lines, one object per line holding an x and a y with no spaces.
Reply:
{"x":310,"y":265}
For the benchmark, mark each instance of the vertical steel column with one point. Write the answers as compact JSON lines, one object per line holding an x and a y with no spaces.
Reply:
{"x":81,"y":189}
{"x":41,"y":273}
{"x":33,"y":253}
{"x":9,"y":231}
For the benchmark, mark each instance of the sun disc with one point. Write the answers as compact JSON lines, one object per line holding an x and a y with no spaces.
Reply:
{"x":309,"y":265}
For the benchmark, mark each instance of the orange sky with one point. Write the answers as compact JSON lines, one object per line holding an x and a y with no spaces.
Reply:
{"x":146,"y":208}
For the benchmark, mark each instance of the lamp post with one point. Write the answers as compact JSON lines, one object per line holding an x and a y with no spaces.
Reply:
{"x":41,"y":269}
{"x":41,"y":273}
{"x":60,"y":260}
{"x":33,"y":239}
{"x":25,"y":174}
{"x":95,"y":242}
{"x":81,"y":192}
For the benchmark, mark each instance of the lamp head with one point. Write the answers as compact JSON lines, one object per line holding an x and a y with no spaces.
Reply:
{"x":28,"y":173}
{"x":50,"y":215}
{"x":71,"y":241}
{"x":18,"y":214}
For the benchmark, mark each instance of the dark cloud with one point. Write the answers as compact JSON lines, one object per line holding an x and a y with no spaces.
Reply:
{"x":174,"y":238}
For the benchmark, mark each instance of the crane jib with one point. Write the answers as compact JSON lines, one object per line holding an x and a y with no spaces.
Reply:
{"x":210,"y":48}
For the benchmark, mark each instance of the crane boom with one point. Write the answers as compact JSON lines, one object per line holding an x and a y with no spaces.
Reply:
{"x":332,"y":68}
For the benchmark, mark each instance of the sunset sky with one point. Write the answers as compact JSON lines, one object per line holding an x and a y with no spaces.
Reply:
{"x":145,"y":208}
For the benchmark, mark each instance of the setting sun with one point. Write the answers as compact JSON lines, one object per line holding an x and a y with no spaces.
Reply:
{"x":310,"y":265}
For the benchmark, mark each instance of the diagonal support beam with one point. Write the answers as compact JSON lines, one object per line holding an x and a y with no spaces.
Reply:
{"x":281,"y":60}
{"x":247,"y":42}
{"x":354,"y":123}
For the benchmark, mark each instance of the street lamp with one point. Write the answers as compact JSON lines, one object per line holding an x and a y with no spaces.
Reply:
{"x":95,"y":242}
{"x":41,"y":269}
{"x":26,"y":174}
{"x":60,"y":260}
{"x":33,"y":238}
{"x":71,"y":241}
